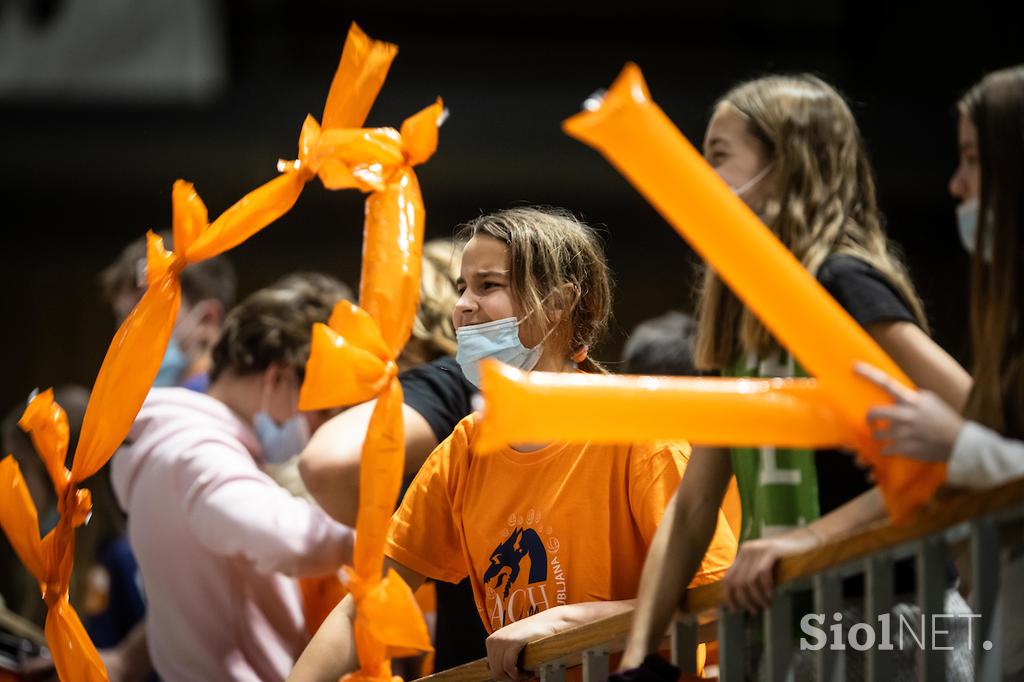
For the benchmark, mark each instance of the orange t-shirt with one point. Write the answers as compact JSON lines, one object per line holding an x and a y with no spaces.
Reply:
{"x":566,"y":524}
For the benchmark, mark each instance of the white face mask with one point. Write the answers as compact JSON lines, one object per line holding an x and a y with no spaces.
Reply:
{"x":499,"y":340}
{"x":967,"y":225}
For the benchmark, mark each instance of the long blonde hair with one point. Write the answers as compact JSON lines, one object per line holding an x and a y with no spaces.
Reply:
{"x":996,"y":108}
{"x":823,"y":204}
{"x":550,"y":248}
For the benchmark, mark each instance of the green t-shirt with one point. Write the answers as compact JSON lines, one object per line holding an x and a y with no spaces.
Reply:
{"x":778,"y":486}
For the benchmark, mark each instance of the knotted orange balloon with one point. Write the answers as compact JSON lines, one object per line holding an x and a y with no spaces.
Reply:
{"x":353,"y":359}
{"x":49,"y":559}
{"x":133,"y":359}
{"x":125,"y":377}
{"x":636,"y":136}
{"x":357,"y":81}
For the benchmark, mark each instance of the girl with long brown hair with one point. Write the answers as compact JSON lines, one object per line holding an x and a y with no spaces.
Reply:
{"x":791,"y":149}
{"x":984,"y":446}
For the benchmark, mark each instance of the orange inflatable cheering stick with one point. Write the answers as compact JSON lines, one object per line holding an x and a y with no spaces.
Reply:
{"x":606,"y":408}
{"x":353,"y":359}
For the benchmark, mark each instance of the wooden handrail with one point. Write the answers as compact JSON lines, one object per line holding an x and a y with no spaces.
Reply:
{"x":945,"y":511}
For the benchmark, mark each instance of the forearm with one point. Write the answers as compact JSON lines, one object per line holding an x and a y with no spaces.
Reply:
{"x":129,"y":661}
{"x":332,"y":651}
{"x":927,"y":364}
{"x":862,"y":511}
{"x":568,"y":616}
{"x":673,"y":559}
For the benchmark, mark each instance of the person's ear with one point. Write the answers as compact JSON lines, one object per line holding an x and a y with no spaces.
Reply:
{"x":563,"y":299}
{"x":279,"y":373}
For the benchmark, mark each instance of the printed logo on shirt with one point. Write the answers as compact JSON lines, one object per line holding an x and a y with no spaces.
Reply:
{"x":524,"y":576}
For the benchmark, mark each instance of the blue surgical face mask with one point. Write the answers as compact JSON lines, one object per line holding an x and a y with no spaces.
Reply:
{"x":281,"y":442}
{"x":173,"y":366}
{"x":498,"y":340}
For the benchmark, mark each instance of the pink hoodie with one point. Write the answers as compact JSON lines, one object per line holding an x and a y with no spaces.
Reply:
{"x":218,"y":542}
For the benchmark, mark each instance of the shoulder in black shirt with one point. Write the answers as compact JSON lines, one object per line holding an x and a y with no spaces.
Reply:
{"x":864,"y":292}
{"x":439,"y":392}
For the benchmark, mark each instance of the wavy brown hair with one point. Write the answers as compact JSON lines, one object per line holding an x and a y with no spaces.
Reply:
{"x":549,"y":248}
{"x":996,"y":107}
{"x":823,"y":203}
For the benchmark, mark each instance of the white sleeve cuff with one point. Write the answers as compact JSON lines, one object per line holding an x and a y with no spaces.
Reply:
{"x":982,"y":458}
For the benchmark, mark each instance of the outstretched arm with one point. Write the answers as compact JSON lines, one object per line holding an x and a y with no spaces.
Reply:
{"x":677,"y":550}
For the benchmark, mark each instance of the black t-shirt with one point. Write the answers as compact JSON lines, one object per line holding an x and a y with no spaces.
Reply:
{"x":439,"y":392}
{"x":442,"y":396}
{"x":869,"y":297}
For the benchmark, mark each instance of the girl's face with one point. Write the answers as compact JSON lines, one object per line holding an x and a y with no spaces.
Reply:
{"x":966,"y":181}
{"x":484,"y":291}
{"x":737,"y":155}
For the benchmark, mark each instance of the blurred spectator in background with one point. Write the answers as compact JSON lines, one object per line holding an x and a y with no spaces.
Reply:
{"x":207,"y":294}
{"x":661,"y":345}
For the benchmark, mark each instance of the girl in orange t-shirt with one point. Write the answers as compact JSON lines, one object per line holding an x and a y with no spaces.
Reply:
{"x":550,"y":535}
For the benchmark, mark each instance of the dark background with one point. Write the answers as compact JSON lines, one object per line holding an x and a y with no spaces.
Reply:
{"x":81,"y":176}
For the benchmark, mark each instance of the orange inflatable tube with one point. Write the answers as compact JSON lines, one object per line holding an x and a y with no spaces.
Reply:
{"x":603,"y":408}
